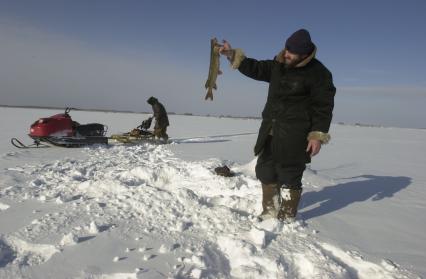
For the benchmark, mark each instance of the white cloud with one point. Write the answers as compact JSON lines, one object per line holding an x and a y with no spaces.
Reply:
{"x":44,"y":68}
{"x":401,"y":106}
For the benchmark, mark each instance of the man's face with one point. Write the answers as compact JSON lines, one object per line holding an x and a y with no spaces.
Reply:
{"x":292,"y":59}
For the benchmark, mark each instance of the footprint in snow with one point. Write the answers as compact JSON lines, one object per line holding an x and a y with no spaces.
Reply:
{"x":149,"y":257}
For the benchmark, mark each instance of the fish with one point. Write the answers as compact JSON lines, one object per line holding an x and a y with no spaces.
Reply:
{"x":214,"y":68}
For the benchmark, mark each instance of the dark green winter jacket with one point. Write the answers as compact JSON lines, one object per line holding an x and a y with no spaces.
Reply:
{"x":160,"y":115}
{"x":299,"y":104}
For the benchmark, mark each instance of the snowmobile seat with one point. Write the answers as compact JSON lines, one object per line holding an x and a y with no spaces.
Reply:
{"x":90,"y":130}
{"x":146,"y":124}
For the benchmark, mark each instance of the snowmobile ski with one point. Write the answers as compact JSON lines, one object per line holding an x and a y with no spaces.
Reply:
{"x":75,"y":141}
{"x":17,"y":143}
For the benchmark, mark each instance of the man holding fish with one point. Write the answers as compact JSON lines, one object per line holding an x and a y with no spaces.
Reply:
{"x":295,"y":121}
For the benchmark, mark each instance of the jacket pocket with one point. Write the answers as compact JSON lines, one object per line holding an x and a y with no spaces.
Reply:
{"x":289,"y":142}
{"x":264,"y":129}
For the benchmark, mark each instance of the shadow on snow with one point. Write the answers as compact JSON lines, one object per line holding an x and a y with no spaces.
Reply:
{"x":336,"y":197}
{"x":7,"y":254}
{"x":209,"y":139}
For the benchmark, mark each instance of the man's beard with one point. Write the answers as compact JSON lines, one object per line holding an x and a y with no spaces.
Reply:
{"x":292,"y":64}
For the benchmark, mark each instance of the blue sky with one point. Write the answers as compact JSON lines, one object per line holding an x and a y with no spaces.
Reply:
{"x":115,"y":54}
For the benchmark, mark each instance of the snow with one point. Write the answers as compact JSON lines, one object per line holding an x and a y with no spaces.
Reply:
{"x":159,"y":211}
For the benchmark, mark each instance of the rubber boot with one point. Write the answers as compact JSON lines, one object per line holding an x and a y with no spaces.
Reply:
{"x":270,"y":201}
{"x":289,"y":202}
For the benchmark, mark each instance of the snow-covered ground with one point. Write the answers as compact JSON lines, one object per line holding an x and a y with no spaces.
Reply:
{"x":159,"y":211}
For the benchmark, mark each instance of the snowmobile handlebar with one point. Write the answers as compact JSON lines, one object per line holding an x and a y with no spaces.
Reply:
{"x":68,"y":109}
{"x":146,"y":124}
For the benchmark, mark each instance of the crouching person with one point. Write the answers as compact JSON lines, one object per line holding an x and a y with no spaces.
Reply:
{"x":161,"y":119}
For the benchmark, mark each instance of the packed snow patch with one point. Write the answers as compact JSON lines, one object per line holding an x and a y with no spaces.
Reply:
{"x":69,"y":239}
{"x":3,"y":206}
{"x":29,"y":253}
{"x":364,"y":269}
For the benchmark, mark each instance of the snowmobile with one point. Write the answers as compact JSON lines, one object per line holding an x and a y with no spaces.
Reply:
{"x":61,"y":130}
{"x":137,"y":135}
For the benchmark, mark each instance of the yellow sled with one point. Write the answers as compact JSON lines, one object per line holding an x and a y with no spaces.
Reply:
{"x":134,"y":136}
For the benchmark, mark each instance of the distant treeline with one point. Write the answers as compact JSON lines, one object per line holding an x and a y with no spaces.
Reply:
{"x":129,"y":111}
{"x":186,"y":114}
{"x":63,"y":108}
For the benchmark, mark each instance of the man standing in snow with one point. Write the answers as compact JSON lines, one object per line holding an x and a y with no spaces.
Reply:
{"x":161,"y":118}
{"x":295,"y":120}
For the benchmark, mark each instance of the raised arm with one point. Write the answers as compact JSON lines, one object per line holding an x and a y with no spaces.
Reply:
{"x":258,"y":70}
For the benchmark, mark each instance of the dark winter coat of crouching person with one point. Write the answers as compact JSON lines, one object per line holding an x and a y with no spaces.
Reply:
{"x":161,"y":118}
{"x":295,"y":120}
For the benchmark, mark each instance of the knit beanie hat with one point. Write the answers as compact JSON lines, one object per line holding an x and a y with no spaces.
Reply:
{"x":152,"y":100}
{"x":300,"y":42}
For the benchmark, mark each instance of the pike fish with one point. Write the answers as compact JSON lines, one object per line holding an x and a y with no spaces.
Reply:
{"x":214,"y":68}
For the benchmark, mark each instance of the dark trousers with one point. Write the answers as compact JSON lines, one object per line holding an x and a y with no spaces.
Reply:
{"x":161,"y":132}
{"x":268,"y":171}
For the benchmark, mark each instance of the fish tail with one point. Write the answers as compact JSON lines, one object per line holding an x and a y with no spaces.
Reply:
{"x":209,"y":94}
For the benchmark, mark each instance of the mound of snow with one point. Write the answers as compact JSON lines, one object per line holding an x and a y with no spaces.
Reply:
{"x":69,"y":239}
